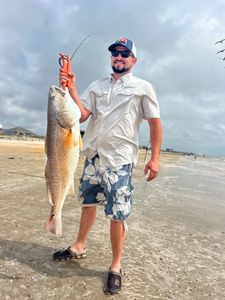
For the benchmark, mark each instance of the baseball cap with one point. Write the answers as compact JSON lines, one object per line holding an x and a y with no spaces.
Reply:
{"x":125,"y":42}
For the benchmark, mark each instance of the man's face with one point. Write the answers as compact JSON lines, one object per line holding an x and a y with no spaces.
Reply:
{"x":122,"y":64}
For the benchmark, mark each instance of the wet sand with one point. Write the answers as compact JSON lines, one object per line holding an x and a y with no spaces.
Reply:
{"x":174,"y":247}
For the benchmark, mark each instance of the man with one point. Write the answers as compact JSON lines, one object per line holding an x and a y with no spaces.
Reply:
{"x":117,"y":105}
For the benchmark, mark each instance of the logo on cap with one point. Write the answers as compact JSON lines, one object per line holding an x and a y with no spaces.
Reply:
{"x":122,"y":41}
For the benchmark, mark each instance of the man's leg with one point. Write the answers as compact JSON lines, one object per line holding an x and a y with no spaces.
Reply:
{"x":117,"y":235}
{"x":77,"y":250}
{"x":118,"y":207}
{"x":86,"y":221}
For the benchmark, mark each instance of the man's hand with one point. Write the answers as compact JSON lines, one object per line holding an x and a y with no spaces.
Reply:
{"x":151,"y":169}
{"x":66,"y":79}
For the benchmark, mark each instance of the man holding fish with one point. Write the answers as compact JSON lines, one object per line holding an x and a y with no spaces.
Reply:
{"x":116,"y":106}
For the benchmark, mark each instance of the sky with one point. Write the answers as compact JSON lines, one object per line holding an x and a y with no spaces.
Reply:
{"x":176,"y":52}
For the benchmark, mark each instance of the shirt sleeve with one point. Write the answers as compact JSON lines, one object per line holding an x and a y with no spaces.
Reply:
{"x":149,"y":102}
{"x":87,"y":99}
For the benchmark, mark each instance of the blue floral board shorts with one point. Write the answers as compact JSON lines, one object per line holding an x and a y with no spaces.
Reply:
{"x":107,"y":186}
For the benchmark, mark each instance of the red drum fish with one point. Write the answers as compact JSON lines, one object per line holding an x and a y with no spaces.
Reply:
{"x":62,"y":146}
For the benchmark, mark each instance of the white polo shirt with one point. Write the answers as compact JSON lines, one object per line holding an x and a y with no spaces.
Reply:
{"x":118,"y":108}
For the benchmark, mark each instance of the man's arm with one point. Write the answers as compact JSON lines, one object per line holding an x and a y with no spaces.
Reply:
{"x":85,"y":113}
{"x":152,"y":167}
{"x":63,"y":79}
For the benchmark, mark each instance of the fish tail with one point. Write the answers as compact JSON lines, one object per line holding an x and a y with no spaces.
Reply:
{"x":54,"y":226}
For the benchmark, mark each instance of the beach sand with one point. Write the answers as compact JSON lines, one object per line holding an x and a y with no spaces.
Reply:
{"x":175,"y":246}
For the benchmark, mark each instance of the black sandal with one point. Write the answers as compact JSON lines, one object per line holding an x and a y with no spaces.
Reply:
{"x":114,"y":283}
{"x":68,"y":254}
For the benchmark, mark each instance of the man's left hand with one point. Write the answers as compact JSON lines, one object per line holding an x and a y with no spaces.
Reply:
{"x":151,"y":169}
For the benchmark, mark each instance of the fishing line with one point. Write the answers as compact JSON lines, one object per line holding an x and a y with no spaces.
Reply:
{"x":80,"y":44}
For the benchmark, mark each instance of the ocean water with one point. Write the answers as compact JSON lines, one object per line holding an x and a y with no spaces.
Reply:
{"x":178,"y":232}
{"x":193,"y":187}
{"x":201,"y":177}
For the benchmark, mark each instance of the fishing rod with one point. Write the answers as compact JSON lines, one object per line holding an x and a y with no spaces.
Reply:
{"x":65,"y":57}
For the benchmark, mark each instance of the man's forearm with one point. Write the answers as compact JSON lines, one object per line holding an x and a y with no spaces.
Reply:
{"x":85,"y":113}
{"x":155,"y":137}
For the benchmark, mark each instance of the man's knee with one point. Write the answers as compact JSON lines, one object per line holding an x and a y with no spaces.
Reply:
{"x":117,"y":225}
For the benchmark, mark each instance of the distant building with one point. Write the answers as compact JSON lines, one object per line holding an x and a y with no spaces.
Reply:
{"x":169,"y":150}
{"x":18,"y":133}
{"x":22,"y":131}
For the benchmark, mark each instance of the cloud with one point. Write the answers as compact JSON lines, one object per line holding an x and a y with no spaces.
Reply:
{"x":176,"y":52}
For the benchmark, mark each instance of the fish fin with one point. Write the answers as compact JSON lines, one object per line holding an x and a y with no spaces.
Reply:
{"x":54,"y":226}
{"x":49,"y":195}
{"x":46,"y":149}
{"x":69,"y":140}
{"x":75,"y":137}
{"x":71,"y":190}
{"x":80,"y":142}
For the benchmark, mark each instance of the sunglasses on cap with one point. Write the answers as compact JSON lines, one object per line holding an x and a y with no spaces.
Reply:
{"x":123,"y":53}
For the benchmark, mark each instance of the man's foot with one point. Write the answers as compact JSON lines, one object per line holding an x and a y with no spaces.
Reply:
{"x":114,"y":283}
{"x":68,"y":254}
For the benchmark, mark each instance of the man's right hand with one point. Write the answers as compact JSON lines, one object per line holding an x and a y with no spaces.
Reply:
{"x":66,"y":79}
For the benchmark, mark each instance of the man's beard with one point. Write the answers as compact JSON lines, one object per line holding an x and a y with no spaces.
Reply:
{"x":120,"y":71}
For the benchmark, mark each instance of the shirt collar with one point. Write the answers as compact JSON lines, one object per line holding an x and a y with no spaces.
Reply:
{"x":123,"y":78}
